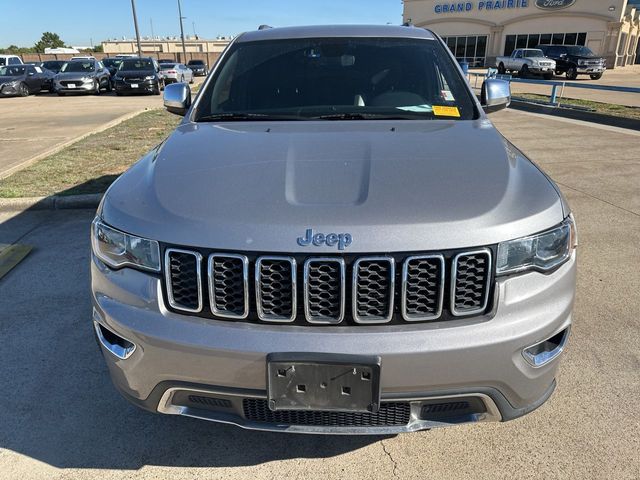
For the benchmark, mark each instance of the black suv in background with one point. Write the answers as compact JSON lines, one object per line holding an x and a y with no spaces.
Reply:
{"x":575,"y":60}
{"x":199,"y":68}
{"x":138,"y":75}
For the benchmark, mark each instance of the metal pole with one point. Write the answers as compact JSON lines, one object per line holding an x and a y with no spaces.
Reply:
{"x":184,"y":48}
{"x":153,"y":39}
{"x":135,"y":23}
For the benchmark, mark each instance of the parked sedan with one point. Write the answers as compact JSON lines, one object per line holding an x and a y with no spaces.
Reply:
{"x":21,"y":80}
{"x":199,"y":67}
{"x":139,"y":75}
{"x":82,"y":76}
{"x":176,"y":72}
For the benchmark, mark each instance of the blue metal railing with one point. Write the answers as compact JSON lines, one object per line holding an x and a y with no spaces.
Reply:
{"x":555,"y":85}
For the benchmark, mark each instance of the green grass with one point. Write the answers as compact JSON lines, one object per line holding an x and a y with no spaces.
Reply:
{"x":598,"y":107}
{"x":92,"y":164}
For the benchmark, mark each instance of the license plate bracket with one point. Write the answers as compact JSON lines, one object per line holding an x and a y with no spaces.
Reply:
{"x":324,"y":382}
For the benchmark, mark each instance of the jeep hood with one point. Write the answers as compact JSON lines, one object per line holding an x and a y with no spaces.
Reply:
{"x":392,"y":185}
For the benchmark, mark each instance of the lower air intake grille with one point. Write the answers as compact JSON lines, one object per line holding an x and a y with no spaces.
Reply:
{"x":390,"y":414}
{"x":471,"y":282}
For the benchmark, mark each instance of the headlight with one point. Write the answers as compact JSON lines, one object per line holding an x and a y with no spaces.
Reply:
{"x":541,"y":252}
{"x":86,"y":79}
{"x":150,"y":77}
{"x":118,"y":249}
{"x":15,"y":83}
{"x":581,"y":62}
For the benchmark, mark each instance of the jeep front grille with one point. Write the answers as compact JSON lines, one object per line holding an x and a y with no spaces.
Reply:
{"x":333,"y":290}
{"x":470,"y":282}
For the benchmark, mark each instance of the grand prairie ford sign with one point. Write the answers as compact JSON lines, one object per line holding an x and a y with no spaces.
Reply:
{"x":554,"y":4}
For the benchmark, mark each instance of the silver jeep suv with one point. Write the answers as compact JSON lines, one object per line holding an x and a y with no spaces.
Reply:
{"x":336,"y":240}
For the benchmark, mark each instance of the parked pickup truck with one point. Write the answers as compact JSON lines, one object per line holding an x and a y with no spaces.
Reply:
{"x":525,"y":61}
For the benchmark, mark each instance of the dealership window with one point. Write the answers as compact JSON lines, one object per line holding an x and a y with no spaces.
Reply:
{"x":532,"y":40}
{"x":472,"y":48}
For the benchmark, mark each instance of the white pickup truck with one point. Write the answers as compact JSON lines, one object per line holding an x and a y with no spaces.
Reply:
{"x":526,"y":61}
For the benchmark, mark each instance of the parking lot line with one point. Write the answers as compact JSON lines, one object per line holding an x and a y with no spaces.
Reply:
{"x":12,"y":255}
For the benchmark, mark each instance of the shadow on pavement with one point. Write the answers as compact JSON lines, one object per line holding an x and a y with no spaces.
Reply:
{"x":58,"y":404}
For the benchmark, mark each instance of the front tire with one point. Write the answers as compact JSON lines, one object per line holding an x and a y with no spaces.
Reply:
{"x":23,"y":90}
{"x":524,"y":71}
{"x":501,"y":69}
{"x":572,"y":73}
{"x":96,"y":88}
{"x":109,"y":87}
{"x":596,"y":76}
{"x":548,"y":76}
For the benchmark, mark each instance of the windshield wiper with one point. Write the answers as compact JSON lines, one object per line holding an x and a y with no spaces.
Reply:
{"x":367,"y":116}
{"x":240,"y":117}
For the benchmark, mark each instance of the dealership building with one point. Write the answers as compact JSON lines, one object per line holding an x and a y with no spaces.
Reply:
{"x":481,"y":30}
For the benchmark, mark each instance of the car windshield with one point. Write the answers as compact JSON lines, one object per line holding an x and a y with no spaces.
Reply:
{"x":580,"y":51}
{"x":52,"y":64}
{"x":109,"y":62}
{"x":136,"y":65}
{"x":533,"y":53}
{"x":12,"y":71}
{"x":337,"y":78}
{"x":78,"y":66}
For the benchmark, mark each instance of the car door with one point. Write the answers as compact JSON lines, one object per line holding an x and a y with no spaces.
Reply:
{"x":33,"y":79}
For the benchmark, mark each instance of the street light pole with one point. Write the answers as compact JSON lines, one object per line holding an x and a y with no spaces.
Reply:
{"x":135,"y":23}
{"x":184,"y":48}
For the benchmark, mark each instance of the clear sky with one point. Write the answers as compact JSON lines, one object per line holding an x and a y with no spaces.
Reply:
{"x":78,"y":21}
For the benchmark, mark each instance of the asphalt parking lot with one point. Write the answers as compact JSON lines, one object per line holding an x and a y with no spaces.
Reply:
{"x":61,"y":417}
{"x":33,"y":126}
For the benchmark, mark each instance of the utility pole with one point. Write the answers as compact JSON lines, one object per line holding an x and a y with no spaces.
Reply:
{"x":135,"y":23}
{"x":153,"y":38}
{"x":184,"y":48}
{"x":194,"y":30}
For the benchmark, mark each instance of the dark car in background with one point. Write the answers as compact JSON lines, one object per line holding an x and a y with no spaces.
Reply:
{"x":574,"y":60}
{"x":199,"y":68}
{"x":82,"y":76}
{"x":22,"y":80}
{"x":138,"y":75}
{"x":112,"y":64}
{"x":53,"y":65}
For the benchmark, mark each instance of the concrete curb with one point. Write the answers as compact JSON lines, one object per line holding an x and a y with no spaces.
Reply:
{"x":55,"y":149}
{"x":55,"y":202}
{"x":610,"y":120}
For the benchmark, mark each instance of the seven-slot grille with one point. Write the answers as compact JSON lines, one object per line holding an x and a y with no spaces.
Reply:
{"x":329,"y":290}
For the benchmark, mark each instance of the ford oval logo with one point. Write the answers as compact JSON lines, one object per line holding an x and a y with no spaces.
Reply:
{"x":554,"y":4}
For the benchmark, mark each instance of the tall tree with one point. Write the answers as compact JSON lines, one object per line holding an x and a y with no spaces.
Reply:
{"x":48,"y":40}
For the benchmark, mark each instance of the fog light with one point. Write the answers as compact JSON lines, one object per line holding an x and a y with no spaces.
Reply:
{"x":542,"y":353}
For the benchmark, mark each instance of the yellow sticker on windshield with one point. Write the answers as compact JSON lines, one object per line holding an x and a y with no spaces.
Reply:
{"x":446,"y":111}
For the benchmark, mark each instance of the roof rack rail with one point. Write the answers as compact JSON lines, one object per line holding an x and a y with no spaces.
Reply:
{"x":408,"y":24}
{"x":264,"y":27}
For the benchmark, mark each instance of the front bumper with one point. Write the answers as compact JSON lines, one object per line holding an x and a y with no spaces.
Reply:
{"x":542,"y":70}
{"x":146,"y":86}
{"x":80,"y":87}
{"x":590,"y":70}
{"x":176,"y":356}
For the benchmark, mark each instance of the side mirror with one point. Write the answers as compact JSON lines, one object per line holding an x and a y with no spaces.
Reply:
{"x":496,"y":95}
{"x":177,"y":98}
